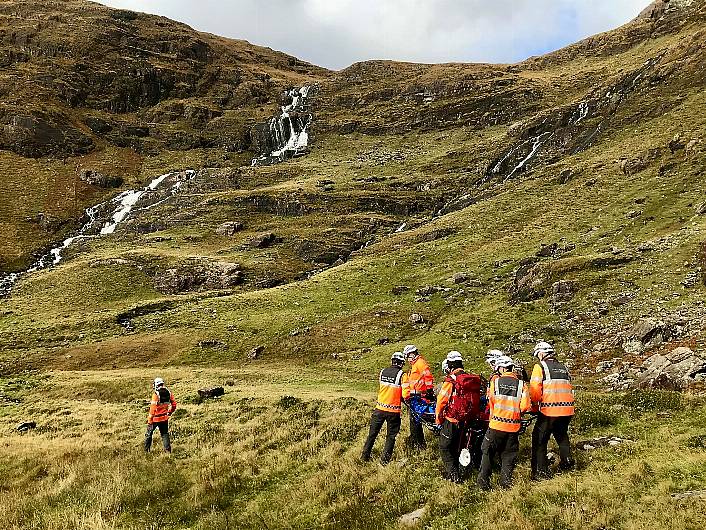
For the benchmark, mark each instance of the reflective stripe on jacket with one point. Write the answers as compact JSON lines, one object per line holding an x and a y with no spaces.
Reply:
{"x":442,"y":400}
{"x":509,"y":399}
{"x":390,"y":393}
{"x":551,"y":390}
{"x":419,"y":379}
{"x":160,"y":412}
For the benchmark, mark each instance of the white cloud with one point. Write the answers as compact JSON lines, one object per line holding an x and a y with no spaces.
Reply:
{"x":336,"y":33}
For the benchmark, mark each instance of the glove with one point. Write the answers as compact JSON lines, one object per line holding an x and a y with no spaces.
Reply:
{"x":429,"y":395}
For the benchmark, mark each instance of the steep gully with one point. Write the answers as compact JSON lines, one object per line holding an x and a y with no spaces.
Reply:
{"x":283,"y":137}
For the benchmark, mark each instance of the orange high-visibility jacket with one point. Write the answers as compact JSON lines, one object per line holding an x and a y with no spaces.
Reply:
{"x":551,"y":390}
{"x":160,"y":412}
{"x":509,"y":399}
{"x":444,"y":397}
{"x":390,"y":393}
{"x":419,"y":379}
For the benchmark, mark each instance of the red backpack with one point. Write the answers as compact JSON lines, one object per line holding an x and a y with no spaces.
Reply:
{"x":464,"y":404}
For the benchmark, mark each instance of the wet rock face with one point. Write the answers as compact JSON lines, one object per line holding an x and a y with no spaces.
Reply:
{"x":571,"y":128}
{"x":286,"y":135}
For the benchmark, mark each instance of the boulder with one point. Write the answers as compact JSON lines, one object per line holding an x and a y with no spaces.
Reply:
{"x":222,"y":275}
{"x":677,"y":370}
{"x":646,"y":334}
{"x":263,"y":240}
{"x":229,"y":228}
{"x":191,"y":276}
{"x":701,"y":208}
{"x":531,"y":281}
{"x":632,"y":166}
{"x":563,"y":290}
{"x":172,"y":281}
{"x":210,"y":393}
{"x":255,"y":352}
{"x":460,"y":277}
{"x":26,"y":426}
{"x":95,"y":178}
{"x":413,"y":518}
{"x":416,"y":318}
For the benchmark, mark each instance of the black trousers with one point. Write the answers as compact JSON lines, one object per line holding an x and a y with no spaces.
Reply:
{"x":416,"y":433}
{"x":394,"y":422}
{"x":504,"y":444}
{"x":545,"y":427}
{"x":163,"y":427}
{"x":450,"y":449}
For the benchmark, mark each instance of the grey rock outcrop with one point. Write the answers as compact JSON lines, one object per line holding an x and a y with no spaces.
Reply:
{"x":678,"y":370}
{"x":95,"y":178}
{"x":191,"y":276}
{"x":646,"y":334}
{"x":229,"y":228}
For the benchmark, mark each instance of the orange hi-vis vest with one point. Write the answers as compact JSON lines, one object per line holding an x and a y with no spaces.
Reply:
{"x":390,"y":393}
{"x":419,"y":379}
{"x":551,"y":390}
{"x":509,"y":399}
{"x":160,"y":412}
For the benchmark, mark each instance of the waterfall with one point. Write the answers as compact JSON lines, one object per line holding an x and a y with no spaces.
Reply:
{"x":537,"y":142}
{"x":286,"y":135}
{"x":108,"y":215}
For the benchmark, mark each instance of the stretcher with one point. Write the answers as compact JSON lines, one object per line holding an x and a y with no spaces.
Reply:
{"x":423,"y":412}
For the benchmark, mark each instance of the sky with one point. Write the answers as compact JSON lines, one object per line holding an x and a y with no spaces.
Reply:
{"x":338,"y":33}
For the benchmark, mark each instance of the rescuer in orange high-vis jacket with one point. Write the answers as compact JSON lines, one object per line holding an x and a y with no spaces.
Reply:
{"x":387,"y":409}
{"x":457,"y":406}
{"x":509,"y":399}
{"x":162,"y":407}
{"x":417,"y":384}
{"x":553,"y":398}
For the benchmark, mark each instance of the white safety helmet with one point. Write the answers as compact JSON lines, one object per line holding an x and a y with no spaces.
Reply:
{"x":504,"y":362}
{"x":492,"y":356}
{"x":158,"y":382}
{"x":398,"y":357}
{"x":445,"y":367}
{"x":454,"y":356}
{"x":410,"y":351}
{"x":543,"y":348}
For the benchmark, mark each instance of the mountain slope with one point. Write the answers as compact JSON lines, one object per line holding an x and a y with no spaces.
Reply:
{"x":89,"y":88}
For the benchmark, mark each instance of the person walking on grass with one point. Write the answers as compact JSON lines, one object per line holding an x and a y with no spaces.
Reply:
{"x":387,"y":410}
{"x":553,"y":398}
{"x":509,"y":399}
{"x":162,"y":407}
{"x":418,"y":391}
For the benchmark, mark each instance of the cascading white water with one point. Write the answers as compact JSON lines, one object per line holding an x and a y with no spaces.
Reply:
{"x":537,"y":142}
{"x":122,"y":206}
{"x":289,"y":130}
{"x":580,"y":114}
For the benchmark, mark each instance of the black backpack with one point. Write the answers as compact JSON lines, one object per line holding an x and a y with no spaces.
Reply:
{"x":164,"y":395}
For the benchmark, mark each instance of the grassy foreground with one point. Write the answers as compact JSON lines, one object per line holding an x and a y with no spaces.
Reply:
{"x":280,"y":450}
